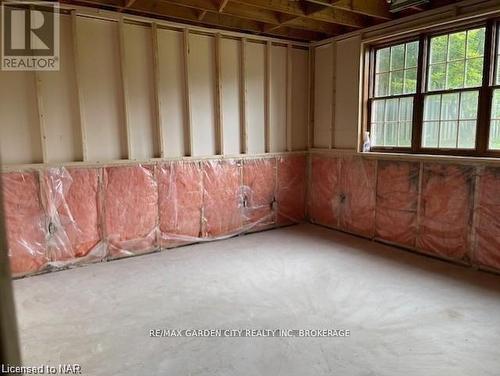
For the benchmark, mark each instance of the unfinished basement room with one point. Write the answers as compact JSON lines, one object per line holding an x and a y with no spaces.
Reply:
{"x":250,"y":187}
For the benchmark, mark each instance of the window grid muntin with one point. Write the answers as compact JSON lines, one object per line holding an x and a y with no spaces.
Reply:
{"x":458,"y":120}
{"x":490,"y":54}
{"x":449,"y":61}
{"x":389,"y":73}
{"x":399,"y":122}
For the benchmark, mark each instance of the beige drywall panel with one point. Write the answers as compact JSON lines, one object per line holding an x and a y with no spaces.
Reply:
{"x":60,"y":103}
{"x":171,"y":91}
{"x":323,"y":95}
{"x":20,"y":140}
{"x":254,"y":78}
{"x":202,"y":93}
{"x":300,"y":97}
{"x":277,"y":109}
{"x":102,"y":89}
{"x":140,"y":91}
{"x":347,"y":93}
{"x":231,"y":82}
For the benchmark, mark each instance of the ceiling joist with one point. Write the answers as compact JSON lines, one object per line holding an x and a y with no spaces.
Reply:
{"x":305,"y":20}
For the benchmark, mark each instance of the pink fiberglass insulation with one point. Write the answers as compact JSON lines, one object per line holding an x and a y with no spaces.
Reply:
{"x":25,"y":221}
{"x":181,"y":200}
{"x":357,"y":195}
{"x":291,"y":189}
{"x":397,"y":201}
{"x":445,"y":210}
{"x":222,"y":198}
{"x":72,"y":201}
{"x":487,"y":251}
{"x":259,"y":184}
{"x":323,"y":196}
{"x":130,"y":209}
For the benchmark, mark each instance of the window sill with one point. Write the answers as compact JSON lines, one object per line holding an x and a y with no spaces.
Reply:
{"x":413,"y":157}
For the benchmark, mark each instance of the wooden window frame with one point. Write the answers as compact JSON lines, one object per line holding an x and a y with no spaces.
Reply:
{"x":492,"y":29}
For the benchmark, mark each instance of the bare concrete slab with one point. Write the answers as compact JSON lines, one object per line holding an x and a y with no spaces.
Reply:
{"x":407,"y":314}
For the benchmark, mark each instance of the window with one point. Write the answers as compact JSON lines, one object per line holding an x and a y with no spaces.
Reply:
{"x":438,"y":93}
{"x":395,"y":86}
{"x":494,"y":134}
{"x":456,"y":60}
{"x":494,"y":142}
{"x":450,"y":120}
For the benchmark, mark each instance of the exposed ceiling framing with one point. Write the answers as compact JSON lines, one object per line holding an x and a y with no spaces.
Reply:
{"x":305,"y":20}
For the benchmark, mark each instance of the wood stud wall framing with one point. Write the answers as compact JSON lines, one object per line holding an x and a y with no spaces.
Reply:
{"x":267,"y":98}
{"x":122,"y":19}
{"x":159,"y":131}
{"x":41,"y":115}
{"x":188,"y":138}
{"x":334,"y":91}
{"x":157,"y":98}
{"x":125,"y":90}
{"x":243,"y":98}
{"x":289,"y":77}
{"x":310,"y":102}
{"x":219,"y":121}
{"x":80,"y":104}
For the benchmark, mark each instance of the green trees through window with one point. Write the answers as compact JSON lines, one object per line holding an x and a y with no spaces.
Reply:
{"x":395,"y":76}
{"x":396,"y":70}
{"x":456,"y":60}
{"x":494,"y":136}
{"x":449,"y":100}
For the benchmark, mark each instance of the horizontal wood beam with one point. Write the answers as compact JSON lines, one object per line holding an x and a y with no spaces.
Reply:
{"x":260,"y":15}
{"x":175,"y":13}
{"x":250,"y":13}
{"x":341,"y":12}
{"x":171,"y":11}
{"x":323,"y":3}
{"x":318,"y":26}
{"x":373,"y":8}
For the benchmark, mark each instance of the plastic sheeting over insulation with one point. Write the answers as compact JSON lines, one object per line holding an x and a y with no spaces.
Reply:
{"x":25,"y":220}
{"x":72,"y":207}
{"x":291,"y":190}
{"x":343,"y":193}
{"x":58,"y":217}
{"x":447,"y":210}
{"x":487,"y":250}
{"x":130,"y":209}
{"x":259,"y":191}
{"x":180,"y":186}
{"x":397,"y":201}
{"x":222,"y":198}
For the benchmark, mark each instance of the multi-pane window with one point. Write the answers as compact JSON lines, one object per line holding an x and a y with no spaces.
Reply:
{"x":391,"y":121}
{"x":494,"y":143}
{"x":438,"y":94}
{"x":396,"y":70}
{"x":494,"y":134}
{"x":456,"y":60}
{"x":450,"y":120}
{"x":395,"y":85}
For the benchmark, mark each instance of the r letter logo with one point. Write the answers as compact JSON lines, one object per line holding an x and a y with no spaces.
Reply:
{"x":30,"y":36}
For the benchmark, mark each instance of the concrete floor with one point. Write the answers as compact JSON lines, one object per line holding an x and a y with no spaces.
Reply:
{"x":408,"y":314}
